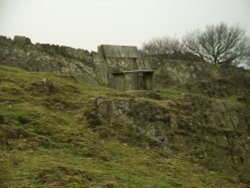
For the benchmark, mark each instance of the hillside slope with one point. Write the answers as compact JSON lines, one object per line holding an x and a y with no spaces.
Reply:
{"x":56,"y":132}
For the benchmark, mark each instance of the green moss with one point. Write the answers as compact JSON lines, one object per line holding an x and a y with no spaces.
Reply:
{"x":170,"y":93}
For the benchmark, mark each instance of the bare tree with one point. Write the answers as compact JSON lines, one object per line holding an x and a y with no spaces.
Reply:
{"x":218,"y":43}
{"x":163,"y":46}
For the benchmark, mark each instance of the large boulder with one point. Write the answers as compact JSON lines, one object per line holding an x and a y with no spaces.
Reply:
{"x":22,"y":41}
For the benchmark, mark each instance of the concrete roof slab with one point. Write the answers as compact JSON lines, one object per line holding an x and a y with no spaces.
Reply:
{"x":115,"y":51}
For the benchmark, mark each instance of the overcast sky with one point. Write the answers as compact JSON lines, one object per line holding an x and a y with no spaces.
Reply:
{"x":88,"y":23}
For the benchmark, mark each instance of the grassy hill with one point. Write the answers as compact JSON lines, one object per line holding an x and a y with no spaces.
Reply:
{"x":47,"y":140}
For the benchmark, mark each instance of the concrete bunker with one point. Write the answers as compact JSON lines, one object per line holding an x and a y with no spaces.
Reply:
{"x":139,"y":80}
{"x":125,"y":72}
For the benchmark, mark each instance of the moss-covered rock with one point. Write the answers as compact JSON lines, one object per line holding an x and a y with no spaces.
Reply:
{"x":212,"y":132}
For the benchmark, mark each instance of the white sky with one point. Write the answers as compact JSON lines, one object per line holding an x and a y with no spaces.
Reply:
{"x":89,"y":23}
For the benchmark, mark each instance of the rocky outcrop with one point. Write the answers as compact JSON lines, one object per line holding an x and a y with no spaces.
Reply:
{"x":177,"y":72}
{"x":214,"y":133}
{"x":80,"y":64}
